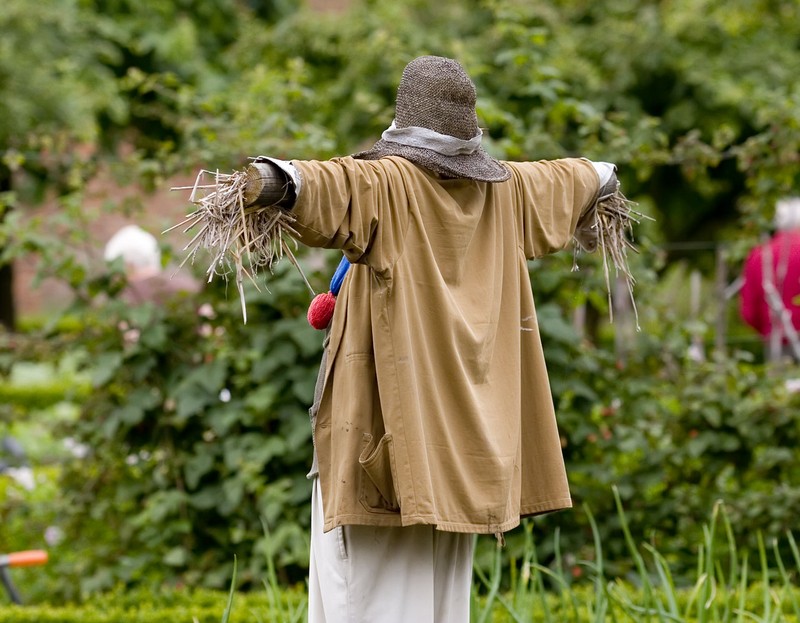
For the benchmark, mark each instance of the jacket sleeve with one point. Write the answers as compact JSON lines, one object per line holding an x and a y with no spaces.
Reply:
{"x":351,"y":205}
{"x":551,"y":196}
{"x":752,"y":302}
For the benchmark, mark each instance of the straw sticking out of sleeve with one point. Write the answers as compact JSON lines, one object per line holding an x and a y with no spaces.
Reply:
{"x":242,"y":239}
{"x":613,"y":219}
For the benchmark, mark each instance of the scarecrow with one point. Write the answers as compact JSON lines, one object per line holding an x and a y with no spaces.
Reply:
{"x":433,"y":419}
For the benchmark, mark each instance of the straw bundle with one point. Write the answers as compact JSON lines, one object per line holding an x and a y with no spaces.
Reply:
{"x":613,"y":222}
{"x":240,"y":223}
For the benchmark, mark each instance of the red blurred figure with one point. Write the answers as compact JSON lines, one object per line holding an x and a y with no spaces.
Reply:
{"x":770,"y":300}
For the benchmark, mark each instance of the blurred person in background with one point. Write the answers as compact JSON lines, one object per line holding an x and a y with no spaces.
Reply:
{"x":770,"y":297}
{"x":147,"y":281}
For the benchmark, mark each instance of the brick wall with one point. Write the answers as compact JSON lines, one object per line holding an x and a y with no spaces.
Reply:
{"x":162,"y":210}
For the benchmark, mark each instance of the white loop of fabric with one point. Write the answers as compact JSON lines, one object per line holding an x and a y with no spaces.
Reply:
{"x":414,"y":136}
{"x":288,"y":168}
{"x":604,"y":170}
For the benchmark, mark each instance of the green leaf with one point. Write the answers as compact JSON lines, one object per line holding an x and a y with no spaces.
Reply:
{"x":198,"y":466}
{"x":227,"y":613}
{"x":207,"y":498}
{"x":105,"y":368}
{"x":191,"y":402}
{"x":262,"y":398}
{"x":176,"y":557}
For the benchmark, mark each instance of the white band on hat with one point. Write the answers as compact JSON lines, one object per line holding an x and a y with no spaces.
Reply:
{"x":415,"y":136}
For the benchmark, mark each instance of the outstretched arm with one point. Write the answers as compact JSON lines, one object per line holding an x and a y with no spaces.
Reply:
{"x":553,"y":198}
{"x":341,"y":203}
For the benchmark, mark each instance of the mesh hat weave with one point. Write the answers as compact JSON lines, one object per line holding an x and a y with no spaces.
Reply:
{"x":437,"y":97}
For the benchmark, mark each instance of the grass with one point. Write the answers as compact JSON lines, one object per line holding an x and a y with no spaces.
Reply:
{"x":724,"y":590}
{"x":727,"y":587}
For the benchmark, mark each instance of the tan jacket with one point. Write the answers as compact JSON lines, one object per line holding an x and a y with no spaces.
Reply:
{"x":437,"y":407}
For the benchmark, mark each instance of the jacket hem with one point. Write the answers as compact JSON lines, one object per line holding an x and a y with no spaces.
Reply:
{"x":398,"y":521}
{"x":550,"y":506}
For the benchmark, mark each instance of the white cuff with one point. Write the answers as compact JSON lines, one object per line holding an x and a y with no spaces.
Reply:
{"x":604,"y":171}
{"x":288,"y":168}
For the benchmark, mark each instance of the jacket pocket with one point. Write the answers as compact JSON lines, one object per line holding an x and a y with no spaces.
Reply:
{"x":377,"y":491}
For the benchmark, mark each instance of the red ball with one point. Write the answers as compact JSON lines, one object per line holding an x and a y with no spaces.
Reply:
{"x":320,"y":311}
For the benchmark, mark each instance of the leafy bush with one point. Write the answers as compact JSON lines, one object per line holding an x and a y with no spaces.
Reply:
{"x":164,"y":606}
{"x":675,"y":436}
{"x":726,"y":585}
{"x":197,"y":424}
{"x":198,"y":430}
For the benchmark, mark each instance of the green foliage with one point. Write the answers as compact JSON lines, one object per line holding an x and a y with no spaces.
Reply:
{"x":197,"y":424}
{"x":165,"y":606}
{"x":679,"y":103}
{"x":198,"y":431}
{"x":57,"y":87}
{"x":25,"y":397}
{"x":198,"y":427}
{"x":91,"y":87}
{"x":675,"y":436}
{"x":726,"y":586}
{"x":37,"y":397}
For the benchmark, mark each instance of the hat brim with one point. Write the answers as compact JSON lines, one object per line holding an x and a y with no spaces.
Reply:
{"x":479,"y":165}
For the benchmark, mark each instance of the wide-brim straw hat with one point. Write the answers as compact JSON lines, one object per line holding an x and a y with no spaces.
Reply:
{"x":435,"y":125}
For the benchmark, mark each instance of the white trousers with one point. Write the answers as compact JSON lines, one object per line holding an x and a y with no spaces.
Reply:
{"x":366,"y":574}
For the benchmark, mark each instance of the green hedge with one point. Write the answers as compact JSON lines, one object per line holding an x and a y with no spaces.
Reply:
{"x":180,"y":479}
{"x":140,"y":606}
{"x":88,"y":614}
{"x":580,"y":604}
{"x":42,"y":395}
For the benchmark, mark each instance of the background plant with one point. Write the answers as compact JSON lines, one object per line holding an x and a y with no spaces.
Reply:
{"x":197,"y":425}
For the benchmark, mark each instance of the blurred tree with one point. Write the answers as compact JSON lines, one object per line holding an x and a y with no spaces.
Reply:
{"x":685,"y":96}
{"x":79,"y":79}
{"x":52,"y":88}
{"x":693,"y":99}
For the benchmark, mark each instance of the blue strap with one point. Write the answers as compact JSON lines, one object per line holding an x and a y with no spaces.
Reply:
{"x":338,"y":276}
